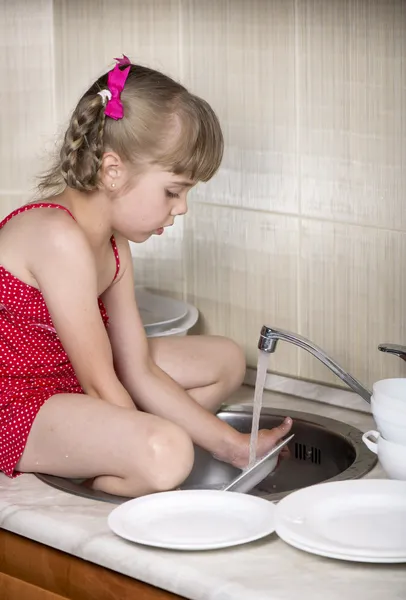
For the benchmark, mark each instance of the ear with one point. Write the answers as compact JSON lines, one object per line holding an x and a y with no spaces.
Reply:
{"x":111,"y":171}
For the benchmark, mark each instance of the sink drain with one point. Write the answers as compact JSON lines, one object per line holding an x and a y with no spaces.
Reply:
{"x":302,"y":452}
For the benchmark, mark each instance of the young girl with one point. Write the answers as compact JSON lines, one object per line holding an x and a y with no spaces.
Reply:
{"x":83,"y":394}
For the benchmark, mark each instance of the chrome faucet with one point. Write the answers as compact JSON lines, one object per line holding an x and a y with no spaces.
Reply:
{"x":393,"y":349}
{"x":270,"y":336}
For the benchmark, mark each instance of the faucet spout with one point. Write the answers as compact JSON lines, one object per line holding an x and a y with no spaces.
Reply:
{"x":270,"y":336}
{"x":395,"y":349}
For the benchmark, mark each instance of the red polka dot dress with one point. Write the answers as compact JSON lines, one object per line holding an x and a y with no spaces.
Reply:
{"x":33,"y":364}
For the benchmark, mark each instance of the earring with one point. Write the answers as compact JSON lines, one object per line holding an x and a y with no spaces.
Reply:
{"x":113,"y":185}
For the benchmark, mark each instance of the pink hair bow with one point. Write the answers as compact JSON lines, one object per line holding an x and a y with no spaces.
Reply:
{"x":115,"y":82}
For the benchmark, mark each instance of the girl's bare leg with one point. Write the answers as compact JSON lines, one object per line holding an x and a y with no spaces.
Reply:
{"x":127,"y":452}
{"x":209,"y":368}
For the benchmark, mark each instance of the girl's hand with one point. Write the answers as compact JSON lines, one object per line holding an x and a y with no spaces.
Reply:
{"x":238,"y":454}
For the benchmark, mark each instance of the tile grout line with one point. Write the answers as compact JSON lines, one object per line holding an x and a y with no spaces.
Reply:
{"x":298,"y":184}
{"x":181,"y":77}
{"x":53,"y":63}
{"x":303,"y":217}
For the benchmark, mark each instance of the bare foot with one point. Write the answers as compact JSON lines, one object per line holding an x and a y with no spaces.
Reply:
{"x":238,"y":454}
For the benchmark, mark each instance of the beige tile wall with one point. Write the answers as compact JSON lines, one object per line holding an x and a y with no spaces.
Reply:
{"x":304,"y":227}
{"x":232,"y":274}
{"x":27,"y":113}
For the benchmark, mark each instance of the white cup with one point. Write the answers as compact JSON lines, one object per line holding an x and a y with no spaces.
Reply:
{"x":390,"y":393}
{"x":391,"y":456}
{"x":389,"y":422}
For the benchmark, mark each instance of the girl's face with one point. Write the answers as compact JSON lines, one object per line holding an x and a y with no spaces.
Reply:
{"x":150,"y":204}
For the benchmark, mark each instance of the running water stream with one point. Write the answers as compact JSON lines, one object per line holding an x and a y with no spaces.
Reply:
{"x":259,"y":392}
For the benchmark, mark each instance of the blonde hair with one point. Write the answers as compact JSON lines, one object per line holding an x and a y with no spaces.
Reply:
{"x":163,"y":124}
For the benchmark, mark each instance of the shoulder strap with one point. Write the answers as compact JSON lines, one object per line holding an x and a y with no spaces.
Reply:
{"x":30,"y":207}
{"x":116,"y":255}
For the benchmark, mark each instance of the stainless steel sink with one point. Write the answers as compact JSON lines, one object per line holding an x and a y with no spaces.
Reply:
{"x":322,"y":450}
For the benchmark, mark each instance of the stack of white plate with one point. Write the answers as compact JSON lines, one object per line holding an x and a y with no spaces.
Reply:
{"x":357,"y":520}
{"x":163,"y":316}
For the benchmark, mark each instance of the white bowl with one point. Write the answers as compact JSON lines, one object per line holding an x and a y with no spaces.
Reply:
{"x":390,"y":393}
{"x":390,"y":423}
{"x":391,"y":456}
{"x":180,"y":329}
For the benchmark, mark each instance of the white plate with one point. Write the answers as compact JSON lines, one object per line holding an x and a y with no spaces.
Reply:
{"x":361,"y":520}
{"x":158,"y":311}
{"x":193,"y":519}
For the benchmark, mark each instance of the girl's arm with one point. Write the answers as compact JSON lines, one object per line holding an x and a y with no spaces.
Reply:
{"x":63,"y":265}
{"x":151,"y":388}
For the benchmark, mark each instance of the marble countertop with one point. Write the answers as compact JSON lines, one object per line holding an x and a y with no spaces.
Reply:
{"x":264,"y":570}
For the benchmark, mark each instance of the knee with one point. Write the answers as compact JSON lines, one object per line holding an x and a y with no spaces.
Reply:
{"x":171,"y":454}
{"x":233,"y":364}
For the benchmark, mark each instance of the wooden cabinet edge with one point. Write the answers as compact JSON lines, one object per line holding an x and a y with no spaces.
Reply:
{"x":56,"y":574}
{"x":15,"y":589}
